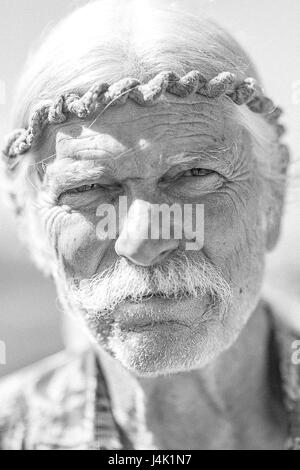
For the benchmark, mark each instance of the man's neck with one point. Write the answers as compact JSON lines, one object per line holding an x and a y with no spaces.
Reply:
{"x":229,"y":404}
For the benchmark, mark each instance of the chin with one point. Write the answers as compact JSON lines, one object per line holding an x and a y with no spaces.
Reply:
{"x":161,"y":337}
{"x":165,"y":348}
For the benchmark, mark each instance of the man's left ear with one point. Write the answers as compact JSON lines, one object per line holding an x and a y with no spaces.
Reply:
{"x":273,"y":225}
{"x":274,"y":209}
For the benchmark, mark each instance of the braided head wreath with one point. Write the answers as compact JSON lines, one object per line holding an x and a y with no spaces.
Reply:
{"x":101,"y":95}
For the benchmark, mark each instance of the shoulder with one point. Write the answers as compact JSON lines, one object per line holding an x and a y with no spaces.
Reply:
{"x":34,"y":391}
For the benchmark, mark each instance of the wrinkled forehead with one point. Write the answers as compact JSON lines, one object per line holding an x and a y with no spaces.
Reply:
{"x":173,"y":124}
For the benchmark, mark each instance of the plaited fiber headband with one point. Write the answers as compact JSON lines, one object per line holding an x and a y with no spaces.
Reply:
{"x":100,"y":95}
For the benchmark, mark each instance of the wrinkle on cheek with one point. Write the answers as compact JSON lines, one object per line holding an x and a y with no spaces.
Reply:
{"x":232,"y":230}
{"x":220,"y":219}
{"x":224,"y":226}
{"x":75,"y":242}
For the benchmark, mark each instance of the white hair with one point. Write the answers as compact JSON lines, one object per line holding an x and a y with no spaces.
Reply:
{"x":107,"y":40}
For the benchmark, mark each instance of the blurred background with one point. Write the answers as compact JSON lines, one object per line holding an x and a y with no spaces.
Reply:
{"x":269,"y":31}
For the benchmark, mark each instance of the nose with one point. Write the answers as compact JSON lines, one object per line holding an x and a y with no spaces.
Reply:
{"x":135,"y":242}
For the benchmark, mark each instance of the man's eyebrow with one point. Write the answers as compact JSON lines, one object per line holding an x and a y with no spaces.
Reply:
{"x":203,"y":153}
{"x":75,"y":175}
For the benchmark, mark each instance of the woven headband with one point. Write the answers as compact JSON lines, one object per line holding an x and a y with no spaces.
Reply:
{"x":48,"y":112}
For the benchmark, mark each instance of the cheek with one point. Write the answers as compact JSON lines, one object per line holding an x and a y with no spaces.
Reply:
{"x":233,"y":232}
{"x":77,"y":247}
{"x":234,"y":242}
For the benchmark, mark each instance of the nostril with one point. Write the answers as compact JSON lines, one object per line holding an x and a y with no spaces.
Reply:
{"x":144,"y":252}
{"x":164,"y":254}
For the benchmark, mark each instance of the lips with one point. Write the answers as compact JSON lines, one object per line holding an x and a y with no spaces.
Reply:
{"x":143,"y":325}
{"x":160,"y":313}
{"x":147,"y":321}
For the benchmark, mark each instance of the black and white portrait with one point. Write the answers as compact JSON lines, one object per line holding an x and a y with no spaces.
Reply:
{"x":150,"y":224}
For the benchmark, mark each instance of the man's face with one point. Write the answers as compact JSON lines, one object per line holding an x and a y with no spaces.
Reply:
{"x":152,"y":304}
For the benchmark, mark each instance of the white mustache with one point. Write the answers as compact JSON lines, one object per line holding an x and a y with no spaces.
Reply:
{"x":179,"y":277}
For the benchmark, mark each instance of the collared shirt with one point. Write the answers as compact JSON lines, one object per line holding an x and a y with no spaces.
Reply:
{"x":61,"y":403}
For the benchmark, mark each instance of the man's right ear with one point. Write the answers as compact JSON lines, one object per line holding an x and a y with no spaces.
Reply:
{"x":18,"y":188}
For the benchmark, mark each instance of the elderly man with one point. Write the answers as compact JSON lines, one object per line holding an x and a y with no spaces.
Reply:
{"x":156,"y":108}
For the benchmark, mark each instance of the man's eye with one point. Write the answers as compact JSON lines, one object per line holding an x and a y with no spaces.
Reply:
{"x":197,"y":172}
{"x":84,"y":189}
